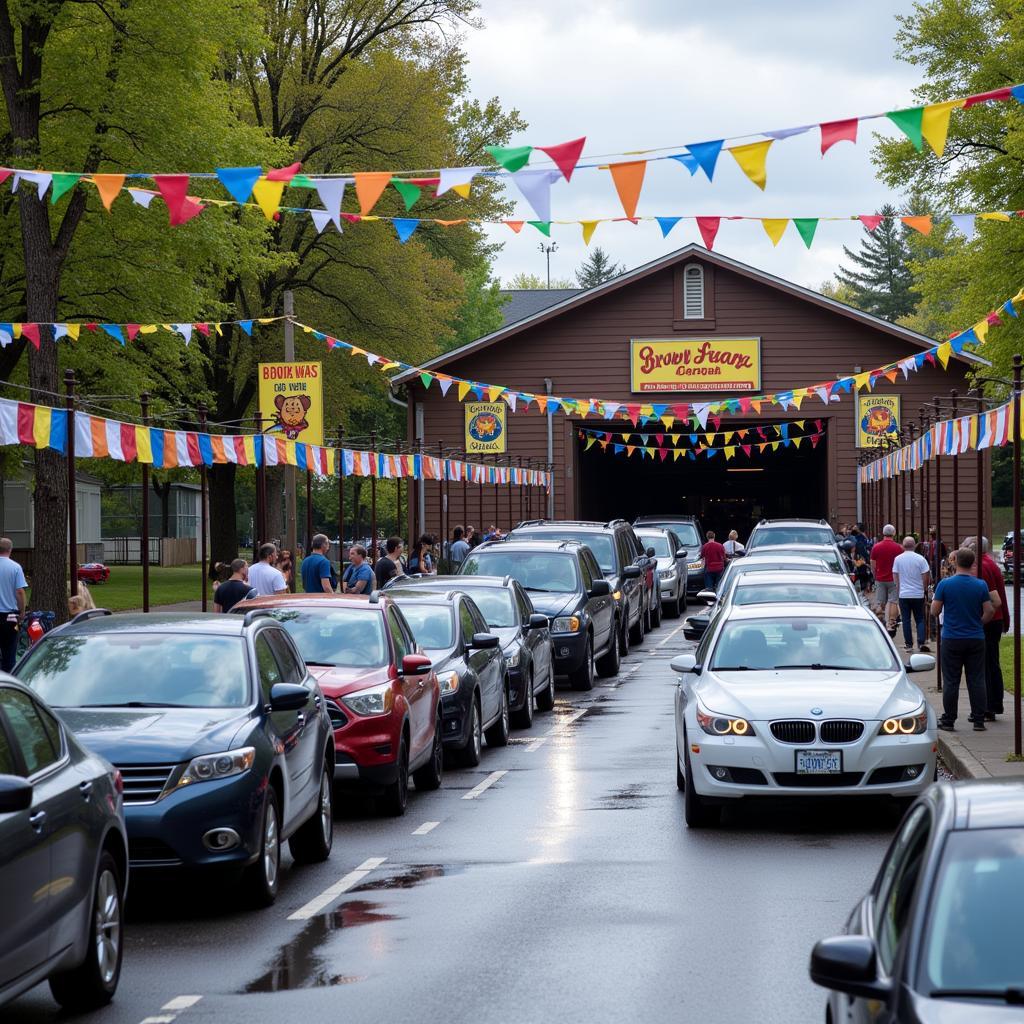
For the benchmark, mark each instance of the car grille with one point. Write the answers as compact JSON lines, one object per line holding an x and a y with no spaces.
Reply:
{"x":793,"y":732}
{"x":812,"y":781}
{"x":151,"y":851}
{"x":840,"y":731}
{"x":338,"y":717}
{"x":143,"y":783}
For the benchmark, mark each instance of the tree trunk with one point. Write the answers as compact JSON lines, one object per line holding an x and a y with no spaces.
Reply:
{"x":275,"y":503}
{"x":223,"y":529}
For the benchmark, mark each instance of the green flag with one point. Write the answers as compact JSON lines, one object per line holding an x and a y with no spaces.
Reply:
{"x":301,"y":181}
{"x":62,"y":181}
{"x":543,"y":226}
{"x":512,"y":158}
{"x":909,"y":122}
{"x":426,"y":378}
{"x":806,"y":226}
{"x":409,"y":192}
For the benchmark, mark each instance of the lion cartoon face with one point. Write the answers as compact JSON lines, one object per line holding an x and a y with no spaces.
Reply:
{"x":486,"y":426}
{"x":879,"y":420}
{"x":291,"y":414}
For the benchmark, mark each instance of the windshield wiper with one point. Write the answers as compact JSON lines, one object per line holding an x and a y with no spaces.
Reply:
{"x":537,"y":590}
{"x":1013,"y":996}
{"x":132,"y":704}
{"x":321,"y":664}
{"x":820,"y":665}
{"x":732,"y":668}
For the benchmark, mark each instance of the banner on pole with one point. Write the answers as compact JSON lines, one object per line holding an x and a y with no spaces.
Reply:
{"x":695,"y":364}
{"x":485,"y":427}
{"x":291,"y":400}
{"x":878,"y":420}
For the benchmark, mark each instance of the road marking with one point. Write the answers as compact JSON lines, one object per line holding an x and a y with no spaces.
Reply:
{"x":165,"y":1018}
{"x":536,"y":744}
{"x":330,"y":894}
{"x":181,"y":1002}
{"x":671,"y":635}
{"x":486,"y":784}
{"x":575,"y":716}
{"x":427,"y":826}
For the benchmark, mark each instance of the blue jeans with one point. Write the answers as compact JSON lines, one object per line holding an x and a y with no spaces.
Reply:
{"x":711,"y":579}
{"x":913,"y":605}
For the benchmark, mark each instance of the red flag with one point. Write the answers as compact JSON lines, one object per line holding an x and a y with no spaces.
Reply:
{"x":663,"y":452}
{"x":284,"y":173}
{"x":174,"y":191}
{"x":192,"y":445}
{"x":870,"y":220}
{"x":565,"y":155}
{"x":746,"y":449}
{"x":516,"y":225}
{"x":717,"y":420}
{"x":708,"y":227}
{"x":31,"y":331}
{"x":745,"y":405}
{"x":203,"y":329}
{"x":984,"y":97}
{"x":128,"y":443}
{"x":132,"y":330}
{"x":837,"y":131}
{"x":26,"y":423}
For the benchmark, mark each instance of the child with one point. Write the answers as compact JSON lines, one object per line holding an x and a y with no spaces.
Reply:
{"x":80,"y":602}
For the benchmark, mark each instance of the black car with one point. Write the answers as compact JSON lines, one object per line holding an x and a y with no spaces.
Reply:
{"x":936,"y":938}
{"x":467,"y":657}
{"x":565,"y":583}
{"x":63,"y":858}
{"x":688,"y":529}
{"x":632,"y":573}
{"x":525,"y":636}
{"x":219,"y":731}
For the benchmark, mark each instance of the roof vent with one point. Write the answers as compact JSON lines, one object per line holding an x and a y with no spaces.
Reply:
{"x":693,"y":293}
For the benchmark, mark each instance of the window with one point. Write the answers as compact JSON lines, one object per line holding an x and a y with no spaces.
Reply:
{"x":29,"y":731}
{"x":524,"y":605}
{"x":587,"y":571}
{"x":693,"y":293}
{"x":291,"y":670}
{"x":7,"y":763}
{"x":397,"y":638}
{"x":468,"y":626}
{"x":270,"y":674}
{"x":349,"y":637}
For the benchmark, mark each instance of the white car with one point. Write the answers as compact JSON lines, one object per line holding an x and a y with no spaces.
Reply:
{"x":791,"y":700}
{"x":672,"y":566}
{"x":793,"y":588}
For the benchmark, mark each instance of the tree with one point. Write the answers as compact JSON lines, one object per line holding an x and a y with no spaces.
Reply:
{"x":480,"y":312}
{"x":597,"y":268}
{"x":531,"y":282}
{"x":883,"y":284}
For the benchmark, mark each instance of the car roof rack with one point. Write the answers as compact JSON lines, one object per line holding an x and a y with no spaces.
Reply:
{"x":89,"y":613}
{"x":256,"y":613}
{"x":374,"y":597}
{"x":615,"y":522}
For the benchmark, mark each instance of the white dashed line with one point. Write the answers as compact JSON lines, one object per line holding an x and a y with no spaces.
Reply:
{"x":164,"y":1018}
{"x":427,"y":826}
{"x":486,"y":784}
{"x":671,"y":635}
{"x":329,"y":895}
{"x":576,"y":715}
{"x":181,"y":1002}
{"x":536,"y":744}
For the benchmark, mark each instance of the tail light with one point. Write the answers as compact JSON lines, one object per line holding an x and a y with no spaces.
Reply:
{"x":35,"y":631}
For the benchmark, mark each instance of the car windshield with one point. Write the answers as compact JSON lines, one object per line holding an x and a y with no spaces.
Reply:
{"x":686,"y":532}
{"x":972,"y":944}
{"x":792,"y":642}
{"x":790,"y":535}
{"x":496,"y":606}
{"x":141,"y":669}
{"x":347,"y":637}
{"x":602,"y":544}
{"x":539,"y":571}
{"x":432,"y":625}
{"x":658,"y":541}
{"x":792,"y":593}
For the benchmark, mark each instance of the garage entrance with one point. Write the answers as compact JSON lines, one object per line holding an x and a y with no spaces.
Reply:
{"x":726,"y":495}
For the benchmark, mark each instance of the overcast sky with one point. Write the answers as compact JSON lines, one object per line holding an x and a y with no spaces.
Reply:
{"x":637,"y":74}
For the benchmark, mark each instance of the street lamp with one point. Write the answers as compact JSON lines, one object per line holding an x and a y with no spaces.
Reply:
{"x":548,"y":250}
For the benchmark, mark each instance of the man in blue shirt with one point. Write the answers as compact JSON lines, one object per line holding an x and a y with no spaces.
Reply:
{"x":358,"y":577}
{"x":12,"y":604}
{"x":964,"y":602}
{"x":317,"y":572}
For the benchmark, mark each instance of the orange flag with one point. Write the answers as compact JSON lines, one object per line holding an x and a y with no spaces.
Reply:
{"x":629,"y":179}
{"x":108,"y":186}
{"x":922,"y":224}
{"x":370,"y":187}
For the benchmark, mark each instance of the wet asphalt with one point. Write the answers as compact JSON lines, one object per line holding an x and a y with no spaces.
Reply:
{"x":569,"y":889}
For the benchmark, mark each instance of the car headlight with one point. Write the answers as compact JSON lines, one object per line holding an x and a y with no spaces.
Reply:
{"x":695,"y":565}
{"x":722,"y":725}
{"x":512,"y":658}
{"x":207,"y":767}
{"x":566,"y":624}
{"x":667,"y":574}
{"x":449,"y":682}
{"x":377,"y":700}
{"x":908,"y":725}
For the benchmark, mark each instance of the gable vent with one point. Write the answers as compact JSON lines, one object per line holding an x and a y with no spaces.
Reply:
{"x":693,"y":293}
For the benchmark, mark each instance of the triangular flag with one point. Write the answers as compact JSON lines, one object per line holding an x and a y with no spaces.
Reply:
{"x":536,"y":189}
{"x":515,"y":225}
{"x":775,"y":227}
{"x":142,"y":197}
{"x":543,"y":226}
{"x":404,"y":227}
{"x":409,"y":192}
{"x":837,"y":131}
{"x":331,"y":192}
{"x":239,"y":181}
{"x":62,"y":181}
{"x":871,"y":220}
{"x":284,"y":173}
{"x":321,"y":218}
{"x":246,"y":326}
{"x":108,"y":186}
{"x":463,"y":389}
{"x":921,"y":224}
{"x":30,"y":331}
{"x":185,"y":330}
{"x":629,"y":180}
{"x":115,"y":332}
{"x":806,"y":226}
{"x":667,"y":224}
{"x":463,"y":189}
{"x":708,"y":227}
{"x":935,"y":124}
{"x":268,"y":194}
{"x":909,"y":122}
{"x":687,"y":161}
{"x":452,"y":177}
{"x":512,"y":158}
{"x":174,"y":191}
{"x":565,"y":155}
{"x":706,"y":155}
{"x":751,"y":159}
{"x":589,"y":227}
{"x":370,"y":187}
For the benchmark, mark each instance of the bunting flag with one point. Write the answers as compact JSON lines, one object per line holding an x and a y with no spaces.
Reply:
{"x":38,"y":426}
{"x":662,"y":451}
{"x":708,"y":439}
{"x":119,"y":332}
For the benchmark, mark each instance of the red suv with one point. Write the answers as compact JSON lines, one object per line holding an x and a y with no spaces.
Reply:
{"x":382,"y":694}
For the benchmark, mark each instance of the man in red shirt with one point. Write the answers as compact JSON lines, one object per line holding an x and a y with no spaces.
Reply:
{"x":883,"y":554}
{"x":713,"y":554}
{"x":994,"y":630}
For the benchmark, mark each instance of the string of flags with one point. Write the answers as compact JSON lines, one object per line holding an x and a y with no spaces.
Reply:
{"x":96,"y":437}
{"x":662,"y":452}
{"x":763,"y":432}
{"x":123,"y":334}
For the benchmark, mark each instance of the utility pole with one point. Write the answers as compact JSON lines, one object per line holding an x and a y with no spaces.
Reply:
{"x":548,"y":250}
{"x":290,"y":507}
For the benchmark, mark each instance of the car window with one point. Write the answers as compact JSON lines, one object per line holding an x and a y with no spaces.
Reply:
{"x":8,"y":765}
{"x":266,"y":664}
{"x":403,"y":625}
{"x":600,"y":542}
{"x":397,"y":637}
{"x":466,"y":622}
{"x":792,"y":593}
{"x":479,"y":622}
{"x":291,"y":670}
{"x":795,"y":534}
{"x":348,"y":637}
{"x":524,"y":605}
{"x":29,"y":731}
{"x":661,"y":543}
{"x":540,"y":571}
{"x":52,"y":727}
{"x":634,"y":542}
{"x":586,"y":571}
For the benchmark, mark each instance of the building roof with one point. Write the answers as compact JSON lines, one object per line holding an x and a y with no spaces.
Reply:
{"x":577,"y":299}
{"x":524,"y":302}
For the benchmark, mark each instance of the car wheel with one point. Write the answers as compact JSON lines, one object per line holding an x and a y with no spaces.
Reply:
{"x":312,"y":842}
{"x":428,"y":776}
{"x":674,"y":609}
{"x":546,"y":698}
{"x":523,"y":718}
{"x":497,"y":734}
{"x":636,"y":633}
{"x":396,"y":796}
{"x":94,"y":981}
{"x":583,"y":677}
{"x":608,"y":664}
{"x":261,"y":878}
{"x":470,"y":755}
{"x":680,"y":778}
{"x":624,"y":640}
{"x":698,"y":813}
{"x":683,"y":601}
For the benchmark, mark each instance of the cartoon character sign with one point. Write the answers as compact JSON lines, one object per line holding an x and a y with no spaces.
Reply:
{"x":878,"y":418}
{"x":291,"y":414}
{"x":291,"y":401}
{"x":485,"y":427}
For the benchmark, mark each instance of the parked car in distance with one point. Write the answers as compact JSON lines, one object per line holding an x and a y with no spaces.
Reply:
{"x":565,"y":583}
{"x":689,"y":530}
{"x":467,"y":657}
{"x":787,"y":532}
{"x":219,"y":731}
{"x":672,"y":557}
{"x":63,"y":858}
{"x":935,"y":939}
{"x":789,"y":587}
{"x":524,"y":632}
{"x":94,"y":572}
{"x":381,"y":692}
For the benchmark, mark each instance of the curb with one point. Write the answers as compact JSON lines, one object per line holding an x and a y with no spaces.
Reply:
{"x":960,"y":761}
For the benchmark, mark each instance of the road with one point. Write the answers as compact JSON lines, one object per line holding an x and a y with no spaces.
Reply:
{"x":556,"y":882}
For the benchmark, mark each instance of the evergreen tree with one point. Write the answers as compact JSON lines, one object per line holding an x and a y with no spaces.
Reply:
{"x":881,"y":282}
{"x":597,"y":268}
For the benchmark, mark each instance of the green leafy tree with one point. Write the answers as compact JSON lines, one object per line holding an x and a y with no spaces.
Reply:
{"x":880,"y":281}
{"x":531,"y":282}
{"x":480,"y":311}
{"x":597,"y":268}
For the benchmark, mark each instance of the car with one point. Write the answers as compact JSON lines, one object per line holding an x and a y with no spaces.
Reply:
{"x":788,"y":700}
{"x":382,"y":694}
{"x":219,"y":731}
{"x":673,"y":574}
{"x":828,"y":553}
{"x":935,"y":939}
{"x":565,"y":583}
{"x":525,"y":636}
{"x":93,"y":572}
{"x":63,"y":858}
{"x":689,"y":530}
{"x":467,"y":657}
{"x":623,"y":561}
{"x":787,"y":532}
{"x":789,"y":587}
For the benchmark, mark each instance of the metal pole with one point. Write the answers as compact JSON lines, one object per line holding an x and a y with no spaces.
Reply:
{"x":508,"y":486}
{"x":480,"y":496}
{"x":548,"y":386}
{"x":981,"y":491}
{"x":522,"y":490}
{"x":440,"y":494}
{"x":69,"y":402}
{"x":926,"y":490}
{"x":1017,"y":361}
{"x":290,"y":501}
{"x":373,"y":498}
{"x":203,"y":497}
{"x":908,"y":486}
{"x":398,"y":495}
{"x":309,"y":511}
{"x":937,"y":560}
{"x":144,"y":552}
{"x":956,"y":478}
{"x":341,"y":495}
{"x":262,"y":481}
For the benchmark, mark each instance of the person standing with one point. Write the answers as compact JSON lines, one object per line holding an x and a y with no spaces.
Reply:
{"x":713,"y":554}
{"x":964,"y":603}
{"x":12,"y":604}
{"x":861,"y":547}
{"x":911,"y":577}
{"x":472,"y":537}
{"x":459,"y":548}
{"x":935,"y":551}
{"x":994,"y":630}
{"x":234,"y":589}
{"x":883,"y":554}
{"x":387,"y":565}
{"x":264,"y":578}
{"x":358,"y":577}
{"x":317,"y":572}
{"x":285,"y":565}
{"x":732,"y":546}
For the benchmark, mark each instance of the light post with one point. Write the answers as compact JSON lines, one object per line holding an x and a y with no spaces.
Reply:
{"x":548,"y":250}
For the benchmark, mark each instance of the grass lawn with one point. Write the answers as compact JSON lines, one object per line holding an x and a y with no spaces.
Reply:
{"x":167,"y":585}
{"x":1006,"y":660}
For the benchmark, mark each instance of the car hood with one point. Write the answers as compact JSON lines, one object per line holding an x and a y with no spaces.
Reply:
{"x":767,"y":695}
{"x":154,"y":735}
{"x":509,"y":636}
{"x":336,"y":680}
{"x":666,"y":563}
{"x":956,"y":1011}
{"x":554,"y":604}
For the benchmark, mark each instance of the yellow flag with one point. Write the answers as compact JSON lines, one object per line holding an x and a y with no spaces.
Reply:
{"x":646,"y":410}
{"x":73,"y":330}
{"x":709,"y":440}
{"x":800,"y":424}
{"x":935,"y":124}
{"x":798,"y":397}
{"x":17,"y":331}
{"x":463,"y":389}
{"x":729,"y":453}
{"x":41,"y":425}
{"x":268,"y":195}
{"x":143,"y":445}
{"x":148,"y":329}
{"x":797,"y":440}
{"x":668,"y":421}
{"x":981,"y":330}
{"x":677,"y":453}
{"x":944,"y":351}
{"x":861,"y":381}
{"x":589,"y":227}
{"x":995,"y":215}
{"x":463,"y":189}
{"x":751,"y":159}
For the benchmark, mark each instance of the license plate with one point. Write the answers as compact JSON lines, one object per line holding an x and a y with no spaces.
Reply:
{"x":819,"y":762}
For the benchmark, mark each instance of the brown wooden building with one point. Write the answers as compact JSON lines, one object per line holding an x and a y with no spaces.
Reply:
{"x":581,"y":347}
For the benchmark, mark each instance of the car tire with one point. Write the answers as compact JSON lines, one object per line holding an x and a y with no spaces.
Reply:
{"x":546,"y":698}
{"x":497,"y":734}
{"x":428,"y":776}
{"x":583,"y":677}
{"x":470,"y":753}
{"x":680,"y":777}
{"x":312,"y":842}
{"x":523,"y":718}
{"x":683,"y":601}
{"x":698,"y":813}
{"x":608,"y":663}
{"x":93,"y":982}
{"x":396,"y":795}
{"x":674,"y":609}
{"x":624,"y":641}
{"x":261,"y":879}
{"x":636,"y":634}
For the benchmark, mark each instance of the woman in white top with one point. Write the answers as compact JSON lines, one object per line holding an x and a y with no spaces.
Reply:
{"x":732,"y":546}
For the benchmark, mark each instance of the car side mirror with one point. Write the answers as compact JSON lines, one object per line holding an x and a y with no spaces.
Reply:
{"x":416,"y":665}
{"x":485,"y":641}
{"x":288,"y":697}
{"x":685,"y":663}
{"x":538,"y":621}
{"x":15,"y":794}
{"x":602,"y":588}
{"x":708,"y":597}
{"x":921,"y":663}
{"x":650,"y":552}
{"x":682,"y":553}
{"x":848,"y":964}
{"x":632,"y":572}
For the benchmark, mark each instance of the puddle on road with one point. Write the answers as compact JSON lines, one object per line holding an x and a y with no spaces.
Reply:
{"x":632,"y":798}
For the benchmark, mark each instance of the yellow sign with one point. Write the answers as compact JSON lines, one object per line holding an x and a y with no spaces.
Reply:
{"x":695,"y":364}
{"x":291,"y":401}
{"x":485,"y":426}
{"x":878,"y":420}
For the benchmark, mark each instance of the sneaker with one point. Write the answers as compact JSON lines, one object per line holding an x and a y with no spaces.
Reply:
{"x":909,"y":648}
{"x":979,"y":727}
{"x":990,"y":716}
{"x":947,"y":726}
{"x":925,"y":649}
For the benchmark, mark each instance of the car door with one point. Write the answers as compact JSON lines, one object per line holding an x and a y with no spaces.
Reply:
{"x":647,"y":564}
{"x":414,"y":688}
{"x":482,"y":662}
{"x":536,"y":642}
{"x":632,"y":589}
{"x":601,"y":608}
